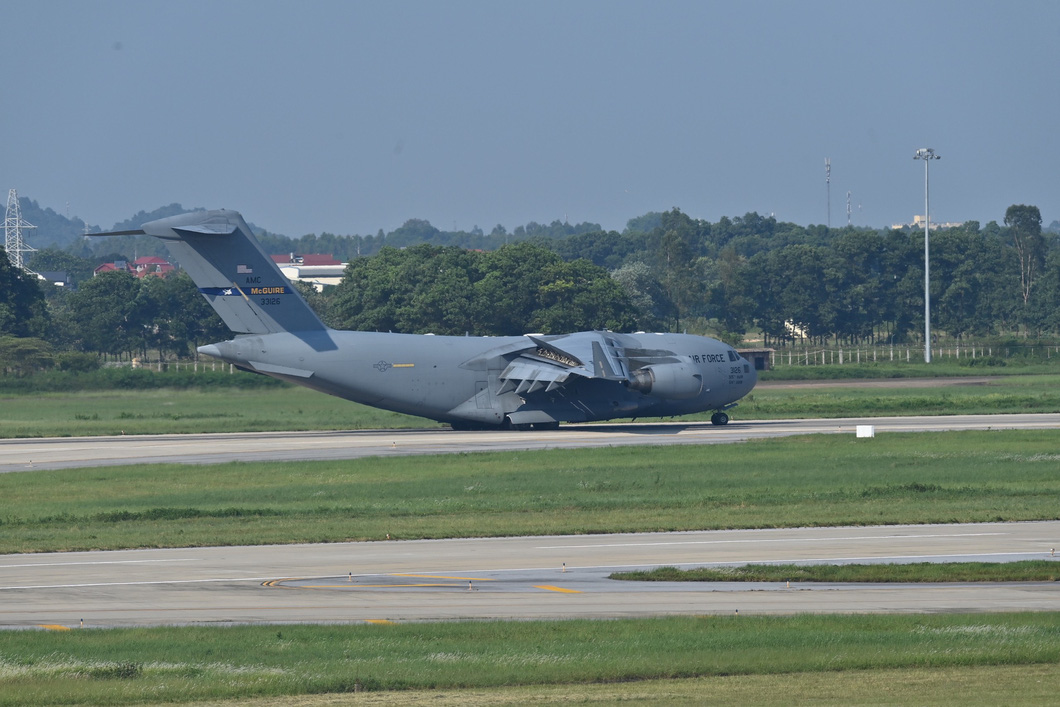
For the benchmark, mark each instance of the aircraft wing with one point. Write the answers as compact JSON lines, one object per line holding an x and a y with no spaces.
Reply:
{"x":550,"y":362}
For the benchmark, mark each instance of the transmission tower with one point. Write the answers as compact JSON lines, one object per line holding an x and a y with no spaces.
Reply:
{"x":13,"y":225}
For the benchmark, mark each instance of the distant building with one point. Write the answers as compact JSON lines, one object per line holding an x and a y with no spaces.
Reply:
{"x":111,"y":267}
{"x":315,"y":268}
{"x":918,"y":222}
{"x":141,"y":267}
{"x":306,"y":259}
{"x":59,"y":278}
{"x":761,"y":359}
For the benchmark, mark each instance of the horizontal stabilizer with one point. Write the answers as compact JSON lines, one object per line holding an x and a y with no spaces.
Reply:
{"x":212,"y":229}
{"x":134,"y":232}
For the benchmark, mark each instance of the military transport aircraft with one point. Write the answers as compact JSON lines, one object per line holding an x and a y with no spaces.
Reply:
{"x":520,"y":382}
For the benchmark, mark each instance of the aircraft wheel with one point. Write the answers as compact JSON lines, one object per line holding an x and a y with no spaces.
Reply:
{"x":719,"y":418}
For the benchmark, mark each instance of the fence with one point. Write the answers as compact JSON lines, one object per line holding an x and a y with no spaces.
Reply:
{"x":909,"y":354}
{"x":193,"y":366}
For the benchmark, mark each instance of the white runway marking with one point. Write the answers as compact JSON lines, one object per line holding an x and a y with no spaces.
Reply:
{"x":766,"y":540}
{"x":109,"y":562}
{"x":875,"y":560}
{"x":141,"y":583}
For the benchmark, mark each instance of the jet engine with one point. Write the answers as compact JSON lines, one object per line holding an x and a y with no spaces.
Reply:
{"x":676,"y":381}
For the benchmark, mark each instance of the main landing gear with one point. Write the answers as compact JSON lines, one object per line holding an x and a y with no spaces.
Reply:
{"x":719,"y":418}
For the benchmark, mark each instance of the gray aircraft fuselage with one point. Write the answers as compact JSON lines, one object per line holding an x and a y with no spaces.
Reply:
{"x":437,"y":376}
{"x":511,"y":381}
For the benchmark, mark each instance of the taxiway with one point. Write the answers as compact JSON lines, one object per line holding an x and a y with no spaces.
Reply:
{"x":509,"y":578}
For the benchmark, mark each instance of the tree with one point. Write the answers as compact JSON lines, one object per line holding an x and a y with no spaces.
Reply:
{"x":675,"y":259}
{"x":192,"y":321}
{"x":645,"y":294}
{"x":580,"y":296}
{"x":105,"y":311}
{"x":422,"y":289}
{"x":1025,"y":231}
{"x":22,"y":356}
{"x":506,"y":287}
{"x":447,"y":290}
{"x":51,"y":260}
{"x":22,"y":308}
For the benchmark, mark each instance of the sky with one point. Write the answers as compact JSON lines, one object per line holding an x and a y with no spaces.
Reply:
{"x":349,"y":117}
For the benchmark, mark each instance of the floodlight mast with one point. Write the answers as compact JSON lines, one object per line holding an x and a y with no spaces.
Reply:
{"x":927,"y":154}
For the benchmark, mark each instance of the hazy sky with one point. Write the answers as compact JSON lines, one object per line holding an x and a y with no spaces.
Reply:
{"x":349,"y":116}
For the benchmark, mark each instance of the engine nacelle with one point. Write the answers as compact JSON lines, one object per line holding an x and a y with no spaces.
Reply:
{"x":676,"y":381}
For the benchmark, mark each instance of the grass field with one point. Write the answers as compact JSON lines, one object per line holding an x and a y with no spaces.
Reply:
{"x":961,"y":686}
{"x":822,"y":480}
{"x":814,"y":480}
{"x":185,"y":411}
{"x":1008,"y":394}
{"x":1025,"y":571}
{"x":170,"y":410}
{"x":184,"y":664}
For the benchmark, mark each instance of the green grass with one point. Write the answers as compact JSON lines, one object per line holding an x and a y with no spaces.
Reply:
{"x":939,"y":368}
{"x":183,"y":664}
{"x":957,"y":686}
{"x":1010,"y":394}
{"x":185,"y":411}
{"x":196,"y":410}
{"x":821,"y":480}
{"x":1025,"y":571}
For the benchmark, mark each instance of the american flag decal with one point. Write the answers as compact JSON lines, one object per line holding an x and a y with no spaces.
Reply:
{"x":243,"y":270}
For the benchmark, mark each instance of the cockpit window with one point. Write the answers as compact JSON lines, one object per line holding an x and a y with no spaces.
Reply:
{"x":733,"y":356}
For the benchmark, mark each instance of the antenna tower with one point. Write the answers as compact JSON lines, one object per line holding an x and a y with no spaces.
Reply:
{"x":13,"y":225}
{"x":828,"y":186}
{"x":848,"y":208}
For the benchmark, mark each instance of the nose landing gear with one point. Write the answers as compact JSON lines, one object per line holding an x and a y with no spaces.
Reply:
{"x":719,"y":418}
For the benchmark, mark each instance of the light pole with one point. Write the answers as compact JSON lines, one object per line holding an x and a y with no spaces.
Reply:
{"x":927,"y":154}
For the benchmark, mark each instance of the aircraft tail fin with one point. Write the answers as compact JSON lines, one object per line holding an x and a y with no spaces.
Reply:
{"x":234,"y":273}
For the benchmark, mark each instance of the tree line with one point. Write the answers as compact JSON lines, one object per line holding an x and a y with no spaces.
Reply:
{"x":666,"y":271}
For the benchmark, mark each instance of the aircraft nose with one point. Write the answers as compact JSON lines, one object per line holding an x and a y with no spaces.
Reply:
{"x":752,"y":377}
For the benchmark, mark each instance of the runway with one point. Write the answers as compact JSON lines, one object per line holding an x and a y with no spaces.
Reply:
{"x":71,"y":452}
{"x":508,"y":578}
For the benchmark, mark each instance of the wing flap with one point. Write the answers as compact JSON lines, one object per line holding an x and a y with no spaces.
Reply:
{"x":525,"y":376}
{"x":556,"y":360}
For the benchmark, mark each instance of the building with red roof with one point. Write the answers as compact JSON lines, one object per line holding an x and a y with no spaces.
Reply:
{"x":141,"y":267}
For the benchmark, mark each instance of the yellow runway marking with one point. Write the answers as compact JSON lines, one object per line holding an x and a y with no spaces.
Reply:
{"x":378,"y":621}
{"x":281,"y":583}
{"x":550,"y":588}
{"x":54,"y":627}
{"x":440,"y":576}
{"x":371,"y":586}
